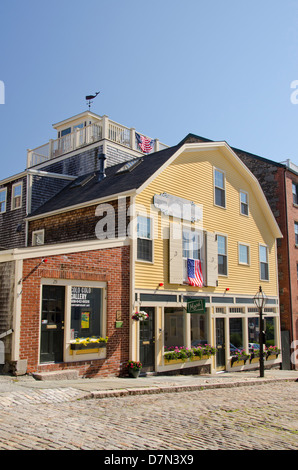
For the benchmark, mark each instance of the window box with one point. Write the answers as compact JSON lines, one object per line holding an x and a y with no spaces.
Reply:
{"x":88,"y":343}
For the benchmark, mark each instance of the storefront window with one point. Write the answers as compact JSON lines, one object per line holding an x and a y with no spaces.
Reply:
{"x":86,"y":310}
{"x":270,"y":331}
{"x":236,"y":333}
{"x":253,"y":331}
{"x":199,"y":330}
{"x":174,"y":327}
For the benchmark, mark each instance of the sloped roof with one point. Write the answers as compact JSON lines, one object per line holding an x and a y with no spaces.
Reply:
{"x":88,"y":188}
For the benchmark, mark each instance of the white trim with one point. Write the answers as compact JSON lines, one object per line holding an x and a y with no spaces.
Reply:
{"x":60,"y":249}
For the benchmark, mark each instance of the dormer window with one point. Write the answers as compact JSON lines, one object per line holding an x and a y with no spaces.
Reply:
{"x":16,"y":196}
{"x":3,"y":200}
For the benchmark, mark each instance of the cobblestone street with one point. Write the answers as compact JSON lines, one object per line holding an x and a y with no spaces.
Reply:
{"x":251,"y":417}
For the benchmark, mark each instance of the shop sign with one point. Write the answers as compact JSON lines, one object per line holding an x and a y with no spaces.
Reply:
{"x":178,"y":207}
{"x":196,"y":306}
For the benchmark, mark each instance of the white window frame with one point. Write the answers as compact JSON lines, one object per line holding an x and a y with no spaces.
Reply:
{"x":267,"y":262}
{"x":244,"y":203}
{"x":248,"y":254}
{"x":13,"y":197}
{"x":221,"y":254}
{"x":3,"y":190}
{"x":35,"y":234}
{"x":146,"y":216}
{"x":218,"y":187}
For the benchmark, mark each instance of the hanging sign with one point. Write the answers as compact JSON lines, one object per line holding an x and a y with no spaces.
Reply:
{"x":178,"y":207}
{"x":196,"y":306}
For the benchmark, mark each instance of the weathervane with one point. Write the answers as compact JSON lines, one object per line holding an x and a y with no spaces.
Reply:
{"x":89,"y":98}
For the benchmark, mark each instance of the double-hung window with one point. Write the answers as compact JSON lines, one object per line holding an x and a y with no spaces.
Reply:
{"x":222,"y":255}
{"x":296,"y":233}
{"x":144,"y":242}
{"x":3,"y":193}
{"x":219,"y":188}
{"x":243,"y":203}
{"x":264,"y":266}
{"x":191,"y":248}
{"x":295,"y":193}
{"x":16,"y":197}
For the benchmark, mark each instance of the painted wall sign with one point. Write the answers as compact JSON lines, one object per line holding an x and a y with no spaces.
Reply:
{"x":178,"y":207}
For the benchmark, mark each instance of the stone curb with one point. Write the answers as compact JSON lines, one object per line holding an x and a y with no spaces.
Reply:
{"x":181,"y":388}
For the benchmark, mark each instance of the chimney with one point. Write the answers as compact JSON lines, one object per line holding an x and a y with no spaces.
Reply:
{"x":102,"y":158}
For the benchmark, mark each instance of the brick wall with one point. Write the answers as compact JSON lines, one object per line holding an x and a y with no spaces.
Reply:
{"x":109,"y":265}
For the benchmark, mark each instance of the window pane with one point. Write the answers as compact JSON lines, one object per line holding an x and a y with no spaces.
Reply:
{"x":296,"y":233}
{"x":219,"y":197}
{"x":243,"y":254}
{"x":174,"y":333}
{"x":263,"y":254}
{"x":190,"y":244}
{"x":144,"y":227}
{"x":269,"y":331}
{"x":17,"y":190}
{"x":222,"y":265}
{"x":264,"y":271}
{"x":199,"y":330}
{"x":295,"y":198}
{"x":219,"y":179}
{"x":144,"y":249}
{"x":221,"y":241}
{"x":253,"y":332}
{"x":86,"y":311}
{"x":236,"y":335}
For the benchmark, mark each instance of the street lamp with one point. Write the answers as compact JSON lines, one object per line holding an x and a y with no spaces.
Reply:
{"x":260,"y":300}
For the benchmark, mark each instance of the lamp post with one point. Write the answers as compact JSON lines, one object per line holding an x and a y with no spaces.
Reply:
{"x":260,"y":300}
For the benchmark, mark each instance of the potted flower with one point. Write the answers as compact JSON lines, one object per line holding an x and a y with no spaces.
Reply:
{"x":134,"y":368}
{"x":140,"y":316}
{"x":88,"y":343}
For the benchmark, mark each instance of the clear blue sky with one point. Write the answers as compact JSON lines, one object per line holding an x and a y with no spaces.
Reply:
{"x":221,"y":69}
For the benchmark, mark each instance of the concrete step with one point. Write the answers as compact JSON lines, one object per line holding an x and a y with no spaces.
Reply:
{"x":57,"y":375}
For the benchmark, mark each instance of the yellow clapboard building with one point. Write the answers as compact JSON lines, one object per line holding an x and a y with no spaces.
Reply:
{"x":202,"y":209}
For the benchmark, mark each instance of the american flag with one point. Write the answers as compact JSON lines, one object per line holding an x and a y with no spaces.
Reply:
{"x":145,"y":144}
{"x":194,"y":272}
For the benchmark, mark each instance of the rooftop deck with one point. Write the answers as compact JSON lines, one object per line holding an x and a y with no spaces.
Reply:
{"x":101,"y":128}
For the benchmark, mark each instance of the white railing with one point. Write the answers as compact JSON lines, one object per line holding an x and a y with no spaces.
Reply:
{"x":290,"y":165}
{"x":104,"y":129}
